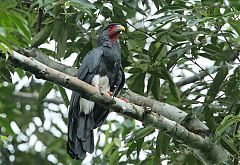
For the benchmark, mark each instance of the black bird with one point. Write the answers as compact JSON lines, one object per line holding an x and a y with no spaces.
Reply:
{"x":102,"y":68}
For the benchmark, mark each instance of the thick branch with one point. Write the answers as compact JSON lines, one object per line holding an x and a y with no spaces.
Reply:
{"x":170,"y":112}
{"x":209,"y":152}
{"x":193,"y":124}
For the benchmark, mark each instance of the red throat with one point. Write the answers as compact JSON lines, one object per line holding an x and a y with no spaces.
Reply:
{"x":112,"y":34}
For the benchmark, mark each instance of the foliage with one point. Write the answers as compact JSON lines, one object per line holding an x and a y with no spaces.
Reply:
{"x":165,"y":42}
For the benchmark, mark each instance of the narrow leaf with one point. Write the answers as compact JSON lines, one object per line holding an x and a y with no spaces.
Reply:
{"x":42,"y":36}
{"x":143,"y":132}
{"x":217,"y":82}
{"x":21,"y":25}
{"x":46,"y":88}
{"x":5,"y":74}
{"x":64,"y":95}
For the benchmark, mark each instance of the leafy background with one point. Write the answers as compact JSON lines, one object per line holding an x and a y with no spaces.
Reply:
{"x":166,"y":41}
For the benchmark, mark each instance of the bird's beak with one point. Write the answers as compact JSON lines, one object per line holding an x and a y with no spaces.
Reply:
{"x":121,"y":28}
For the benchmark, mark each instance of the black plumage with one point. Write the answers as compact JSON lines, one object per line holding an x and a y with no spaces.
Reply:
{"x":102,"y":68}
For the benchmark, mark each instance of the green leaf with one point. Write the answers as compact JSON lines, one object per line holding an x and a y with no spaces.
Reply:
{"x":173,"y":88}
{"x":62,"y":41}
{"x":117,"y":142}
{"x":115,"y":156}
{"x":139,"y":145}
{"x":142,"y":132}
{"x":4,"y":139}
{"x":217,"y":82}
{"x":21,"y":25}
{"x":131,"y":148}
{"x":107,"y":148}
{"x":46,"y":88}
{"x":136,"y":83}
{"x":137,"y":35}
{"x":226,"y":123}
{"x":163,"y":142}
{"x":156,"y":88}
{"x":208,"y":117}
{"x":64,"y":95}
{"x":236,"y":26}
{"x":163,"y":19}
{"x":6,"y":4}
{"x":82,"y":5}
{"x":5,"y":74}
{"x":42,"y":36}
{"x":229,"y":144}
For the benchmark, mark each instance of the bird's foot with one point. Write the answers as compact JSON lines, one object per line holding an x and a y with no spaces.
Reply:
{"x":110,"y":93}
{"x":124,"y":99}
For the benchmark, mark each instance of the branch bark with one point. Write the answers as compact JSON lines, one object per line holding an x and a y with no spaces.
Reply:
{"x":208,"y":152}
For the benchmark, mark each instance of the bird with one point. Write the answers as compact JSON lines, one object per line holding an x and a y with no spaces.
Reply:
{"x":102,"y":68}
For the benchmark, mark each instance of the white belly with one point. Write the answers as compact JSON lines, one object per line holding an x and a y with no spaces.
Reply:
{"x":102,"y":83}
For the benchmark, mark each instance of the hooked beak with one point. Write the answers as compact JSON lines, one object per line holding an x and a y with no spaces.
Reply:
{"x":120,"y":28}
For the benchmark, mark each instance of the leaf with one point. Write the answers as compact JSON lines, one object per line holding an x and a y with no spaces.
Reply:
{"x":4,"y":73}
{"x":107,"y":148}
{"x":229,"y":145}
{"x":86,"y":48}
{"x":115,"y":156}
{"x":173,"y":88}
{"x":46,"y":88}
{"x":64,"y":95}
{"x":62,"y":41}
{"x":217,"y":82}
{"x":42,"y":36}
{"x":137,"y":35}
{"x":163,"y":19}
{"x":141,"y":133}
{"x":236,"y":26}
{"x":208,"y":117}
{"x":117,"y":142}
{"x":136,"y":83}
{"x":82,"y":5}
{"x":4,"y":139}
{"x":226,"y":123}
{"x":6,"y":4}
{"x":139,"y":145}
{"x":131,"y":148}
{"x":21,"y":25}
{"x":156,"y":88}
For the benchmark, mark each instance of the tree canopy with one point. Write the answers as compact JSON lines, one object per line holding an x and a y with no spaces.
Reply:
{"x":183,"y":53}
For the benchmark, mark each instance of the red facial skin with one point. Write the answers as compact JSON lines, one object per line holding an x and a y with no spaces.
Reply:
{"x":112,"y":33}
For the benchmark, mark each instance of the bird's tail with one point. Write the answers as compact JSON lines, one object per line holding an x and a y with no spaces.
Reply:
{"x":80,"y":135}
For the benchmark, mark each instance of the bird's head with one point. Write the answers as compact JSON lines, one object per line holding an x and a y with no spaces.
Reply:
{"x":111,"y":32}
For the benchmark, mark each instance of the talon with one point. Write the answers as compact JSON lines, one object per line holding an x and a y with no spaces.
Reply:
{"x":110,"y":93}
{"x":124,"y":99}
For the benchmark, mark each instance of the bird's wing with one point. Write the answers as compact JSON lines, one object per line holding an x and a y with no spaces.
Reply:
{"x":80,"y":125}
{"x":90,"y":64}
{"x":85,"y":72}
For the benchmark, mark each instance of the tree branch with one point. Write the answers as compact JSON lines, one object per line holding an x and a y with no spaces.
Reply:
{"x":209,"y":152}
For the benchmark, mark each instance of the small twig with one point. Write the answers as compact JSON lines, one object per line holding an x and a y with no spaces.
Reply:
{"x":39,"y":22}
{"x":200,"y":67}
{"x":147,"y":34}
{"x":230,"y":46}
